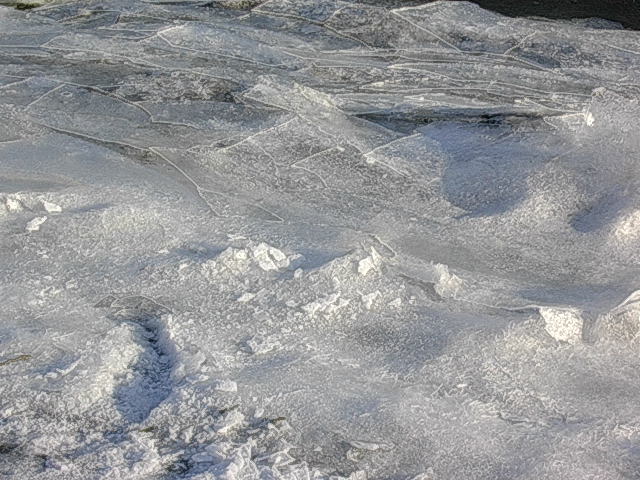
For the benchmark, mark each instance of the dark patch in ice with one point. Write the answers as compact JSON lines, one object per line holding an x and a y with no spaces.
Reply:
{"x":233,"y":4}
{"x":407,"y":122}
{"x":428,"y":288}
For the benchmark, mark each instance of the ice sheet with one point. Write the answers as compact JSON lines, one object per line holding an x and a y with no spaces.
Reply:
{"x":317,"y":239}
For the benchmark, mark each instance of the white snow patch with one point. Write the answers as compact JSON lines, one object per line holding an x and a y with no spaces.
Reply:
{"x":563,"y":324}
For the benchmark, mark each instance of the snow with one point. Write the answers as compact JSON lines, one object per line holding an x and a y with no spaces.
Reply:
{"x":317,"y":240}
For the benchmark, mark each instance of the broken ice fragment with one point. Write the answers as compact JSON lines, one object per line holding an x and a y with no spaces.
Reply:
{"x":369,"y":263}
{"x":226,"y":386}
{"x":246,"y":297}
{"x":396,"y":303}
{"x":589,"y":119}
{"x":34,"y":225}
{"x":369,"y":299}
{"x":229,"y":421}
{"x":365,"y":266}
{"x":563,"y":324}
{"x":14,"y":205}
{"x":270,"y":258}
{"x":257,"y":345}
{"x":370,"y":446}
{"x":328,"y":304}
{"x":358,"y":475}
{"x":51,"y":207}
{"x":448,"y":283}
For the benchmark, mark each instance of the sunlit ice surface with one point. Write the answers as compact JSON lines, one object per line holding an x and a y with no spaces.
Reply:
{"x":317,"y":239}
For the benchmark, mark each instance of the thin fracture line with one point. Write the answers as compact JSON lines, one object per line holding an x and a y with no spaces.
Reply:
{"x":256,"y":134}
{"x":519,"y":44}
{"x":390,"y":143}
{"x":312,"y":155}
{"x":419,"y":27}
{"x":315,"y":174}
{"x":211,"y":52}
{"x":621,"y":49}
{"x":18,"y":82}
{"x":43,"y":95}
{"x":199,"y":190}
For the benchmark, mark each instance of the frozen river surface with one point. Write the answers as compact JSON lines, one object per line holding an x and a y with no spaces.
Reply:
{"x":312,"y":239}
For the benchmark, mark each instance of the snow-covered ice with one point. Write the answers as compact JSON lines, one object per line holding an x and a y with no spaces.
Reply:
{"x":317,"y":239}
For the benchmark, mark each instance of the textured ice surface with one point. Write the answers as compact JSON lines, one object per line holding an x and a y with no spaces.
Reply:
{"x":311,"y":239}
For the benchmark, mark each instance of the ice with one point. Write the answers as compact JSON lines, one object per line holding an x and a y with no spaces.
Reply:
{"x":303,"y":239}
{"x":34,"y":224}
{"x":226,"y":386}
{"x":563,"y":324}
{"x":369,"y":263}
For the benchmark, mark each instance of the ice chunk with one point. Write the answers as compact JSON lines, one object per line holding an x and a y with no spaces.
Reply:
{"x":447,"y":284}
{"x":229,"y":421}
{"x":258,"y":345}
{"x":621,"y":323}
{"x":13,"y":204}
{"x":563,"y":324}
{"x":369,"y":445}
{"x":327,"y":304}
{"x":34,"y":225}
{"x":51,"y":207}
{"x":372,"y":262}
{"x":246,"y":297}
{"x":369,"y":299}
{"x":270,"y":258}
{"x":395,"y":303}
{"x":226,"y":386}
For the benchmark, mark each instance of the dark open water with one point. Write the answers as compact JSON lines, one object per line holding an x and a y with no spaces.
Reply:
{"x":626,"y":12}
